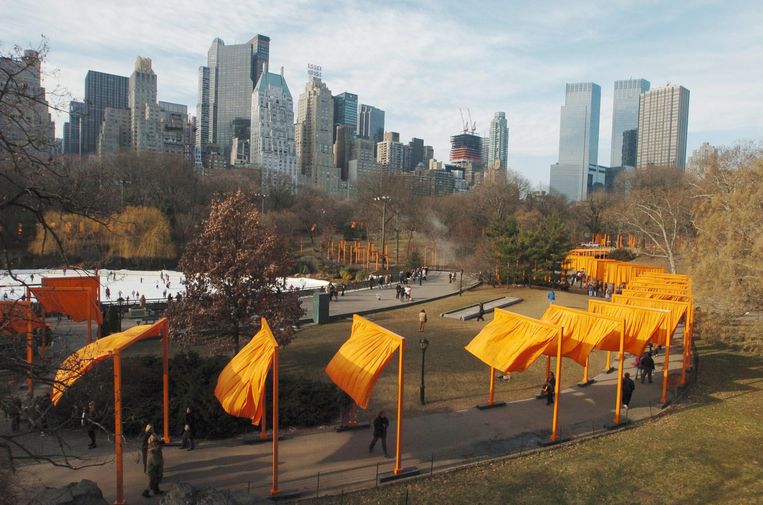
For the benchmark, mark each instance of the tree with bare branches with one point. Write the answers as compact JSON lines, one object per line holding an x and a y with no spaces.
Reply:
{"x":235,"y":271}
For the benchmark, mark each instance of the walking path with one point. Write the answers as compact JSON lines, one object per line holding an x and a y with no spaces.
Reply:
{"x":368,"y":301}
{"x":328,"y":460}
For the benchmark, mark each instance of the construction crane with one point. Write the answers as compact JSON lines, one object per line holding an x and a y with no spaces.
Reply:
{"x":473,"y":124}
{"x":465,"y":124}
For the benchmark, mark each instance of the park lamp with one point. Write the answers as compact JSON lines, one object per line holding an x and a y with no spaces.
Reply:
{"x":423,"y":344}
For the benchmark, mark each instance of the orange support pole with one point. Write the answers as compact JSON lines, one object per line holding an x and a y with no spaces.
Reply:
{"x":377,"y":261}
{"x":666,"y":366}
{"x":274,"y":490}
{"x":166,"y":380}
{"x":300,"y":246}
{"x":29,"y":343}
{"x":491,"y":397}
{"x":89,"y":319}
{"x":398,"y":468}
{"x":688,"y":335}
{"x":120,"y":500}
{"x":585,"y":372}
{"x":608,"y":366}
{"x":555,"y":420}
{"x":264,"y":420}
{"x":621,"y":366}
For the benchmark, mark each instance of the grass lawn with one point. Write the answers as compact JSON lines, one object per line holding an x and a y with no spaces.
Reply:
{"x":707,"y":451}
{"x":454,"y":378}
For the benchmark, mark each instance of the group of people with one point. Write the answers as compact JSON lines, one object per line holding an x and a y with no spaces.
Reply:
{"x":151,"y":445}
{"x":404,"y":293}
{"x":594,"y":287}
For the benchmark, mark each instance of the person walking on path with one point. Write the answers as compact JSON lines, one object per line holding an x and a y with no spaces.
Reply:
{"x":481,"y":312}
{"x":422,"y":320}
{"x":88,"y":422}
{"x":548,"y":389}
{"x":148,"y":432}
{"x":551,"y":296}
{"x":628,"y":387}
{"x":647,"y":366}
{"x":188,"y":430}
{"x":381,"y":423}
{"x":155,"y":466}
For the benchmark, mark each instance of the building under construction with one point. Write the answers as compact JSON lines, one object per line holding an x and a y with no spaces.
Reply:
{"x":466,"y":152}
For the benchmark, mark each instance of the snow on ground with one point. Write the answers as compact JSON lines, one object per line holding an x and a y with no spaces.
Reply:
{"x":130,"y":284}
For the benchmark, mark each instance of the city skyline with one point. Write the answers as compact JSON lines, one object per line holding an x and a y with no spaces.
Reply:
{"x":514,"y":64}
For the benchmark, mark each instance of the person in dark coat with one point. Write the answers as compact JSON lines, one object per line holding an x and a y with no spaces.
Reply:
{"x":380,"y":432}
{"x":155,"y":466}
{"x":628,"y":387}
{"x":481,"y":313}
{"x":187,"y":441}
{"x":88,"y":422}
{"x":647,"y":366}
{"x":549,"y":389}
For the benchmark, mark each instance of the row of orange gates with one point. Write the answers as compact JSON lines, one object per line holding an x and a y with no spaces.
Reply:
{"x":367,"y":253}
{"x":649,"y":310}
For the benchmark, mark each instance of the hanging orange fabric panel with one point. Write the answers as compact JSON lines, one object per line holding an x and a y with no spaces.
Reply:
{"x":356,"y":366}
{"x":80,"y":362}
{"x":511,"y":342}
{"x":583,"y":331}
{"x":14,"y":316}
{"x":86,"y":281}
{"x":657,"y":295}
{"x":677,"y":308}
{"x":242,"y":381}
{"x":70,"y":301}
{"x":642,"y":325}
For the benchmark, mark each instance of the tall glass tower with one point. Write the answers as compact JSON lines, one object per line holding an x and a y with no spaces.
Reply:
{"x":371,"y":123}
{"x":498,"y":145}
{"x":625,"y":114}
{"x":578,"y":140}
{"x":101,"y":91}
{"x":225,"y":89}
{"x":346,"y":111}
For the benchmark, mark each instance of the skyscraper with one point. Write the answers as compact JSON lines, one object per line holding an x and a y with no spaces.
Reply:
{"x":371,"y":123}
{"x":73,"y":128}
{"x":625,"y":114}
{"x":663,"y":122}
{"x":101,"y":91}
{"x":272,"y":144}
{"x":578,"y":140}
{"x":498,"y":146}
{"x":176,"y":130}
{"x":145,"y":115}
{"x":225,"y":90}
{"x":343,"y":138}
{"x":313,"y":134}
{"x":346,"y":111}
{"x":417,"y":152}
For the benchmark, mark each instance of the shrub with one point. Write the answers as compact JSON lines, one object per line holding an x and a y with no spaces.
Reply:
{"x":303,"y":402}
{"x":622,"y":255}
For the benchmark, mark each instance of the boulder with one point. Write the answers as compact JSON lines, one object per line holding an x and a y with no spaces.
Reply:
{"x":84,"y":492}
{"x":185,"y":494}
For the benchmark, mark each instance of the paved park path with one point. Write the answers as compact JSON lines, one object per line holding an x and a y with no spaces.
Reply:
{"x":342,"y":459}
{"x":367,"y":301}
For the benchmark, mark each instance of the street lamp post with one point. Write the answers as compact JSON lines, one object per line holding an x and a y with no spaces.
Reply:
{"x":384,"y":199}
{"x":262,"y":196}
{"x":423,"y":344}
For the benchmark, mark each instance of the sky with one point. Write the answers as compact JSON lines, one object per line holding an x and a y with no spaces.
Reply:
{"x":423,"y":61}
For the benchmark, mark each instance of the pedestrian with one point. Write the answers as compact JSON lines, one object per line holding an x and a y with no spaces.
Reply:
{"x":148,"y":432}
{"x":450,"y":277}
{"x":108,"y":293}
{"x":637,"y":364}
{"x":88,"y":422}
{"x":187,"y":441}
{"x":422,"y":320}
{"x":628,"y":387}
{"x":380,"y":432}
{"x":647,"y":366}
{"x":409,"y":293}
{"x":342,"y":287}
{"x":551,"y":296}
{"x":481,"y":313}
{"x":549,"y":389}
{"x":154,"y":466}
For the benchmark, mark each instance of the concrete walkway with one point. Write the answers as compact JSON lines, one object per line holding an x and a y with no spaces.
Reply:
{"x":368,"y":301}
{"x":472,"y":311}
{"x":329,"y":461}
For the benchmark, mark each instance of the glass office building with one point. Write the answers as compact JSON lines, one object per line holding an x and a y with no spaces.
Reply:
{"x":625,"y":114}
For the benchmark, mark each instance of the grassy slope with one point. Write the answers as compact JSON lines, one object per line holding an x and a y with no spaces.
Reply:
{"x":707,"y":451}
{"x":454,"y":378}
